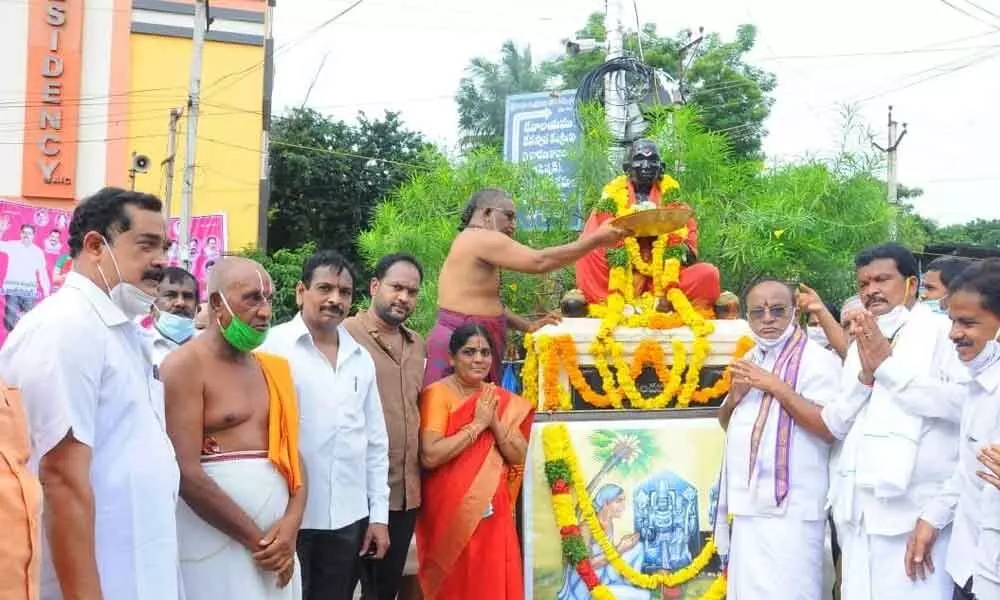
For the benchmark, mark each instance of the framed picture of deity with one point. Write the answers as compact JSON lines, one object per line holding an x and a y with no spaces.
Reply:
{"x":622,"y":509}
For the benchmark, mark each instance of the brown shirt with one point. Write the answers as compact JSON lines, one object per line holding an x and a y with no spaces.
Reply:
{"x":400,"y":374}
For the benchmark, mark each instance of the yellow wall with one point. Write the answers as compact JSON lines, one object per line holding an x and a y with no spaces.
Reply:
{"x":229,"y":127}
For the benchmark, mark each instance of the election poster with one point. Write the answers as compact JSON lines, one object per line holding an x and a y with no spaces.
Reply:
{"x":34,"y":254}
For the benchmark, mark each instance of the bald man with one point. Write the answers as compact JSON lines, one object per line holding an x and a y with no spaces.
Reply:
{"x":231,"y":414}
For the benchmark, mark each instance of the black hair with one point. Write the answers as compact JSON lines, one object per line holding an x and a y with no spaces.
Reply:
{"x":981,"y":278}
{"x":906,"y":263}
{"x":51,"y":231}
{"x":948,"y":267}
{"x":463,"y":334}
{"x":327,"y":258}
{"x":385,"y":263}
{"x":477,"y":201}
{"x":180,"y":276}
{"x":28,"y":226}
{"x":104,"y":213}
{"x":768,"y":279}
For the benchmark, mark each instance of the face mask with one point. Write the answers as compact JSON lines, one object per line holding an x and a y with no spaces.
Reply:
{"x":986,"y":357}
{"x":935,"y":305}
{"x":817,"y":335}
{"x":130,"y":299}
{"x":890,"y":322}
{"x":768,"y":344}
{"x":175,"y":328}
{"x":240,"y":335}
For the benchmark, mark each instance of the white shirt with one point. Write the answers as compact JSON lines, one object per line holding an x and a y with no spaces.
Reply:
{"x":25,"y":264}
{"x":819,"y":373}
{"x":342,"y":435}
{"x":82,"y":369}
{"x":922,"y":377}
{"x":974,"y":550}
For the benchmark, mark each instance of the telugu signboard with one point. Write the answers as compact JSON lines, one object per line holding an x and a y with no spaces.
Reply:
{"x":539,"y":129}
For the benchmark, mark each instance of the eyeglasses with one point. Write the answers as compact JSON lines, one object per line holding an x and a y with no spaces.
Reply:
{"x":777,"y":312}
{"x":645,"y":163}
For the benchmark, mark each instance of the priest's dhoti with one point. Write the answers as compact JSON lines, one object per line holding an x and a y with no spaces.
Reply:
{"x":215,"y":566}
{"x":776,"y":557}
{"x":872,"y":567}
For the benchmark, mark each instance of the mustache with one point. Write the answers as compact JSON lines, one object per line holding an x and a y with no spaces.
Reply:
{"x":874,"y":298}
{"x":153,"y":274}
{"x":336,"y":310}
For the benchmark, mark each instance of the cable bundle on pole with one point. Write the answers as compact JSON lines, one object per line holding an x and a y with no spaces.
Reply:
{"x":635,"y":81}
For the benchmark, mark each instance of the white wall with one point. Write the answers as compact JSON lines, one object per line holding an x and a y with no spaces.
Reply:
{"x":92,"y":152}
{"x":13,"y":81}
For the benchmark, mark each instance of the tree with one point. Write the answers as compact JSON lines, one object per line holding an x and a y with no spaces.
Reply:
{"x":422,"y":216}
{"x":482,"y":95}
{"x":327,"y":176}
{"x":731,"y":95}
{"x":979,"y":232}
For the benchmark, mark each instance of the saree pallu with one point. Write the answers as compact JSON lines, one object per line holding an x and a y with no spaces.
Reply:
{"x":466,"y":537}
{"x":438,"y":355}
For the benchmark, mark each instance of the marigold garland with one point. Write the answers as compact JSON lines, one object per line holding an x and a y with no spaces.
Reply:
{"x":562,"y":469}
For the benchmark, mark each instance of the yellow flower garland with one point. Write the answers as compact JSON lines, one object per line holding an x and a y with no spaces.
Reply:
{"x":557,"y":446}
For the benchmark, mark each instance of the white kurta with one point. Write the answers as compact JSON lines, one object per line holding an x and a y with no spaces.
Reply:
{"x":83,"y":369}
{"x":342,"y":434}
{"x":215,"y":566}
{"x":900,"y":445}
{"x":788,"y":538}
{"x":974,"y":550}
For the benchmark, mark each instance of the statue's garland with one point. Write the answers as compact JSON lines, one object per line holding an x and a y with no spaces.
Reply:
{"x":569,"y":494}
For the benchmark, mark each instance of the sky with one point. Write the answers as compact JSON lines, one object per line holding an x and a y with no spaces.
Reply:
{"x":936,"y":65}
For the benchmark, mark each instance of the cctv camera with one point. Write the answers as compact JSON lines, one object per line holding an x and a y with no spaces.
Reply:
{"x":140,"y":163}
{"x":577,"y":45}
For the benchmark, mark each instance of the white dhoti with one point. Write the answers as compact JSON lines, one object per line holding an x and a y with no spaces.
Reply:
{"x":213,"y":565}
{"x":873,"y":567}
{"x":776,"y":557}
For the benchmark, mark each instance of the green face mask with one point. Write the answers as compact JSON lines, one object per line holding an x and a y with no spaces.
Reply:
{"x":240,"y":335}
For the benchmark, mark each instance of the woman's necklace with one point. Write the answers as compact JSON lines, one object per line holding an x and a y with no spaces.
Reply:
{"x":461,"y":389}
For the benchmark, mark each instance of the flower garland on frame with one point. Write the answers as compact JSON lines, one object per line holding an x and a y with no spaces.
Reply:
{"x":550,"y":354}
{"x":562,"y":470}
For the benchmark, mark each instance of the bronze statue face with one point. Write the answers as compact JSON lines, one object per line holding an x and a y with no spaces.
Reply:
{"x":644,"y":166}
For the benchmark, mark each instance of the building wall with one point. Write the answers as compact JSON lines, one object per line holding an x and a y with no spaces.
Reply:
{"x":133,"y":63}
{"x":227,"y":153}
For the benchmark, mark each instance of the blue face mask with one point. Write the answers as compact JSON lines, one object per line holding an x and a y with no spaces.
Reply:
{"x":175,"y":328}
{"x":935,"y":305}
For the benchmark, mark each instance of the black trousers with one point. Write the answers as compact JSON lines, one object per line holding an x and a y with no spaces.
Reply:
{"x":964,"y":593}
{"x":380,"y":579}
{"x":330,"y":563}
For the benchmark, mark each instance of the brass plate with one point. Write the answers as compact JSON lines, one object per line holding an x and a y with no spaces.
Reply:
{"x":654,"y":222}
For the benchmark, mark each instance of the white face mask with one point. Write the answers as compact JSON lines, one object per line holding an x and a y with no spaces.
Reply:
{"x":768,"y":344}
{"x":817,"y":335}
{"x":130,"y":299}
{"x":890,"y":322}
{"x":986,"y":357}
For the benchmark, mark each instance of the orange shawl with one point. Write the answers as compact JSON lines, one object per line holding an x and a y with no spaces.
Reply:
{"x":282,"y":417}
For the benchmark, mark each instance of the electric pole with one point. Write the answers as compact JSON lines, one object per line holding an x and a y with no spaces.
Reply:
{"x":614,"y":102}
{"x":892,"y":181}
{"x":168,"y":162}
{"x":264,"y":192}
{"x":200,"y":26}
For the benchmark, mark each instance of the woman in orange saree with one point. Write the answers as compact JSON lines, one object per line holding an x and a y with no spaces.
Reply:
{"x":474,"y":440}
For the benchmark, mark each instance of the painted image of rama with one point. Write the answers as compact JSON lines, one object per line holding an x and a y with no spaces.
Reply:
{"x":609,"y":503}
{"x":666,"y":519}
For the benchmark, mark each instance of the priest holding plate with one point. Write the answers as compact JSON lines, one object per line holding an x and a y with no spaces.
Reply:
{"x":635,"y":201}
